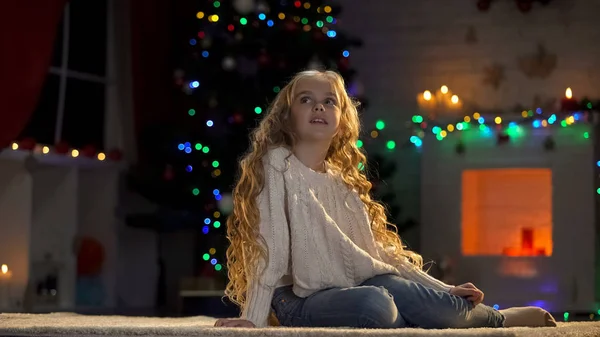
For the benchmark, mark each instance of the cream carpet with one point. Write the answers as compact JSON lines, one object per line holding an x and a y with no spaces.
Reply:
{"x":67,"y":324}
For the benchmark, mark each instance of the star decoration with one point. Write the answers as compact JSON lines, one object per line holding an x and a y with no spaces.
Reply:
{"x":471,"y":36}
{"x":539,"y":64}
{"x":494,"y":75}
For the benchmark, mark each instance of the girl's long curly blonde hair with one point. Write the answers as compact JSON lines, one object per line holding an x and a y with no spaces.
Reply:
{"x":274,"y":131}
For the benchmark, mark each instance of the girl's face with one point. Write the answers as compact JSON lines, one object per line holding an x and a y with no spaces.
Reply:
{"x":315,"y":110}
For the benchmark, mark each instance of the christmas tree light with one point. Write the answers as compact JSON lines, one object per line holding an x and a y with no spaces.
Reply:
{"x":233,"y":60}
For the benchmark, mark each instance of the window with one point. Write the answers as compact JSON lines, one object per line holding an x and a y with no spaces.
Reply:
{"x":507,"y":212}
{"x":72,"y":104}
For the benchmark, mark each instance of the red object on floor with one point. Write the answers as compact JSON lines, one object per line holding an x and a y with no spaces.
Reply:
{"x":527,"y":239}
{"x":90,"y":257}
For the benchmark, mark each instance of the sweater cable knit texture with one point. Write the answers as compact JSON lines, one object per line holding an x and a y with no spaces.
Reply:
{"x":317,"y":235}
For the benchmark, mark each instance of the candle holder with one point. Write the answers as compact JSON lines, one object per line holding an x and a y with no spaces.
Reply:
{"x":568,"y":103}
{"x":442,"y":102}
{"x":5,"y":277}
{"x":45,"y":278}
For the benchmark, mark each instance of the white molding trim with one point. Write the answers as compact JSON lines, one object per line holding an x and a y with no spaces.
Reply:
{"x":119,"y":130}
{"x":80,"y":75}
{"x":62,"y":87}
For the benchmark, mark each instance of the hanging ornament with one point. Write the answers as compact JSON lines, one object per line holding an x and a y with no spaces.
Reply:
{"x":62,"y":147}
{"x":549,"y":143}
{"x":460,"y":148}
{"x":503,"y":138}
{"x":27,"y":144}
{"x":483,"y":5}
{"x":115,"y":154}
{"x":89,"y":151}
{"x":524,"y":5}
{"x":228,"y":63}
{"x":244,"y":7}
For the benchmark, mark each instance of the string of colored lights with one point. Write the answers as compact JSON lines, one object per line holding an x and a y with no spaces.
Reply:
{"x":216,"y":224}
{"x":322,"y":21}
{"x":47,"y":150}
{"x":536,"y":119}
{"x":270,"y":21}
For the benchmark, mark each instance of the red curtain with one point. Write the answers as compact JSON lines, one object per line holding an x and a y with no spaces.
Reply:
{"x":151,"y":66}
{"x":27,"y":32}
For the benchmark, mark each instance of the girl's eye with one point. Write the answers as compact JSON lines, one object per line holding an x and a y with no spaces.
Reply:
{"x":330,"y":101}
{"x":304,"y":99}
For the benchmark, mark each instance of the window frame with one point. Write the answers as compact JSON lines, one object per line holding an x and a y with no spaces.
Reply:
{"x":64,"y":73}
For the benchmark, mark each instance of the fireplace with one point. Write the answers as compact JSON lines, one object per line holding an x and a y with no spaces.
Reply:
{"x":507,"y":212}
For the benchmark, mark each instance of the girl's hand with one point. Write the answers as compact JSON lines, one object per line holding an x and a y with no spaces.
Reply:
{"x":468,"y":291}
{"x":234,"y":323}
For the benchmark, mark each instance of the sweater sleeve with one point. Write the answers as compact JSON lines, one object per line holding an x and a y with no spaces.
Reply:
{"x":412,"y":273}
{"x":274,"y":229}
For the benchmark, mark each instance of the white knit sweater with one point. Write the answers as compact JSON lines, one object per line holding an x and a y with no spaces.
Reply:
{"x":317,"y":234}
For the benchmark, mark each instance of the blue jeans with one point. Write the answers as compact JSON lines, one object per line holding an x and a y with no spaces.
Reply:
{"x":385,"y":301}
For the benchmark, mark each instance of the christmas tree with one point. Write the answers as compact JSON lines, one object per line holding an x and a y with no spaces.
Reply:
{"x":233,"y":61}
{"x":381,"y":170}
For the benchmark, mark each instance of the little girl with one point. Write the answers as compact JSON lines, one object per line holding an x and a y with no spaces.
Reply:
{"x":309,"y":243}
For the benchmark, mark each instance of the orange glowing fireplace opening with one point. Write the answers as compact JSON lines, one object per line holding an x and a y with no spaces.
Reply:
{"x":507,"y":212}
